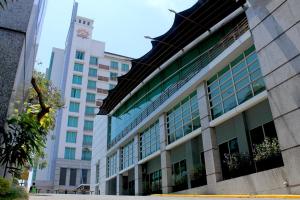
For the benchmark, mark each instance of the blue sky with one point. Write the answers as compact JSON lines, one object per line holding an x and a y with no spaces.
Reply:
{"x":121,"y":24}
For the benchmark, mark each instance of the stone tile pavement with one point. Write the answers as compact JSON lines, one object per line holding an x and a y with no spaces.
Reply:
{"x":103,"y":197}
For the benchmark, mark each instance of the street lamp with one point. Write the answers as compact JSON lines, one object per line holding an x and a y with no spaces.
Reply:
{"x":188,"y":19}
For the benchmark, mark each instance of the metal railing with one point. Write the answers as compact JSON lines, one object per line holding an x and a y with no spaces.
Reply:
{"x":190,"y":70}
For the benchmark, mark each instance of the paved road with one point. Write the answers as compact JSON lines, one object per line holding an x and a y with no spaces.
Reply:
{"x":94,"y":197}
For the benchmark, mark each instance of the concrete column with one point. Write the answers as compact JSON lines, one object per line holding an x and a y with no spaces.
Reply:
{"x":138,"y":176}
{"x":189,"y":161}
{"x":68,"y":177}
{"x":275,"y":28}
{"x":210,"y":147}
{"x":119,"y":184}
{"x":165,"y":157}
{"x":78,"y":176}
{"x":119,"y":176}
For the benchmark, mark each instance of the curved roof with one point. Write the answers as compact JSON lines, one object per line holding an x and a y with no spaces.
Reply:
{"x":187,"y":26}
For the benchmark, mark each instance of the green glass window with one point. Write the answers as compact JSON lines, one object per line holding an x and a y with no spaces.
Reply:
{"x":235,"y":83}
{"x":183,"y":118}
{"x":87,"y":140}
{"x":69,"y":153}
{"x":75,"y":93}
{"x":74,"y":107}
{"x":88,"y":125}
{"x":125,"y":67}
{"x":77,"y":79}
{"x":71,"y":137}
{"x":127,"y":155}
{"x":149,"y":141}
{"x":86,"y":154}
{"x":179,"y":172}
{"x":89,"y":110}
{"x":79,"y":55}
{"x":90,"y":97}
{"x":72,"y":121}
{"x":112,"y":165}
{"x":114,"y":65}
{"x":113,"y":76}
{"x":78,"y":67}
{"x":91,"y":84}
{"x":93,"y":60}
{"x":92,"y":72}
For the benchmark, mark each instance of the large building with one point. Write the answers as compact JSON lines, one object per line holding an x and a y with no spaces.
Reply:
{"x":212,"y":108}
{"x":84,"y":72}
{"x":20,"y":27}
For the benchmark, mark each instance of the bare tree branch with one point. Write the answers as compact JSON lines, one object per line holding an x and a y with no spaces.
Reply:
{"x":44,"y":109}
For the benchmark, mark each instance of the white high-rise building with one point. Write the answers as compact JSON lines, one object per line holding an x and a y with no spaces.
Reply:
{"x":84,"y":72}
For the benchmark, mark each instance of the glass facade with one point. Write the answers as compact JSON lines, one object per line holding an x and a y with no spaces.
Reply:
{"x":91,"y":84}
{"x":70,"y":153}
{"x":152,"y":183}
{"x":92,"y":72}
{"x":183,"y":118}
{"x":62,"y":176}
{"x":84,"y":176}
{"x":88,"y":125}
{"x":125,"y":67}
{"x":75,"y":93}
{"x":77,"y":79}
{"x":235,"y":83}
{"x":113,"y":76}
{"x":71,"y":137}
{"x":73,"y":121}
{"x":86,"y":154}
{"x":93,"y":60}
{"x":74,"y":107}
{"x":127,"y":155}
{"x":73,"y":173}
{"x":149,"y":141}
{"x":89,"y":110}
{"x":112,"y":165}
{"x":114,"y":65}
{"x":87,"y":140}
{"x":169,"y":78}
{"x":78,"y":67}
{"x":90,"y":97}
{"x":79,"y":55}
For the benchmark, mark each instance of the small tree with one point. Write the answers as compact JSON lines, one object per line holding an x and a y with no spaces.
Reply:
{"x":24,"y":136}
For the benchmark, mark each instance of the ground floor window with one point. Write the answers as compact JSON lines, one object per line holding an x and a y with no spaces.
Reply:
{"x":73,"y":173}
{"x":152,"y":183}
{"x":179,"y":172}
{"x":62,"y":176}
{"x":264,"y":153}
{"x":265,"y":147}
{"x":198,"y":175}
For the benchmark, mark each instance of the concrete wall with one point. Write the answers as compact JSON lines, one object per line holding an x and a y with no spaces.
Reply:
{"x":99,"y":152}
{"x":18,"y":22}
{"x":275,"y":29}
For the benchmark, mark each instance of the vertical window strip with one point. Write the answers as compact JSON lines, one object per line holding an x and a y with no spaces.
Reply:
{"x":236,"y":83}
{"x":149,"y":141}
{"x":71,"y":137}
{"x":112,"y":165}
{"x":183,"y":118}
{"x":127,"y":155}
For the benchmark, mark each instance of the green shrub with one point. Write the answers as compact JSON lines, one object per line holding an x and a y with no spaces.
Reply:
{"x":4,"y":186}
{"x":16,"y":192}
{"x":11,"y":192}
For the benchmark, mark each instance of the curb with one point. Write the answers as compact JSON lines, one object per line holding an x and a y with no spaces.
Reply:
{"x":273,"y":196}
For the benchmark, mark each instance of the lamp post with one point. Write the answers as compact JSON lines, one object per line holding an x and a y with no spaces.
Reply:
{"x":188,"y":19}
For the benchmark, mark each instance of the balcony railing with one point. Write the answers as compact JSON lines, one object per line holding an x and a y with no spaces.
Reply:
{"x":190,"y":70}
